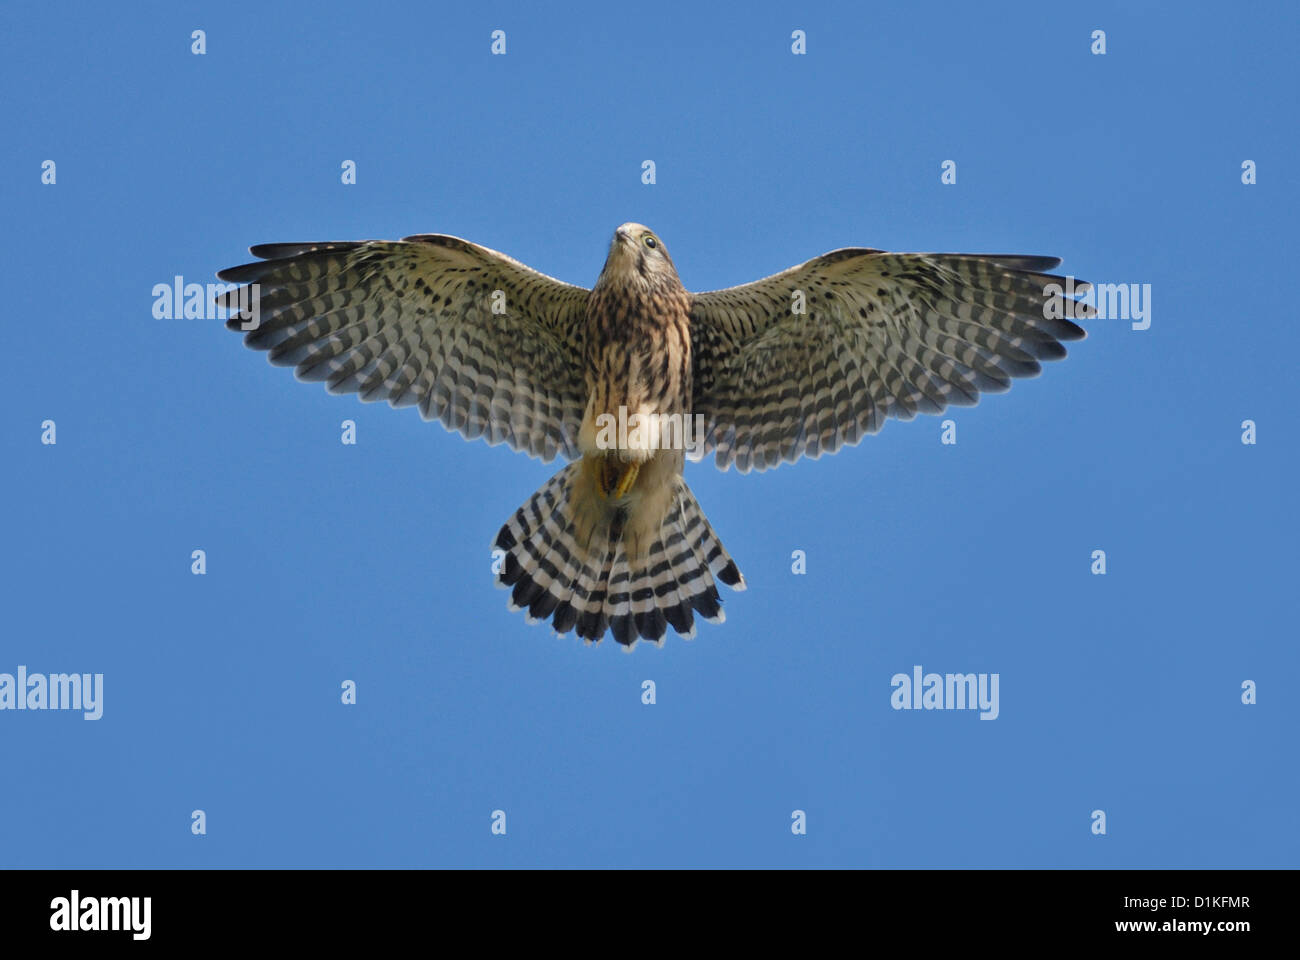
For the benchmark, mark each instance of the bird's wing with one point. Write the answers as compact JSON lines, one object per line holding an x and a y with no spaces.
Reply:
{"x":880,"y":335}
{"x":479,"y":341}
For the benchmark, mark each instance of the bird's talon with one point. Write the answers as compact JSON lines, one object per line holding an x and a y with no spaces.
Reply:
{"x":616,"y":489}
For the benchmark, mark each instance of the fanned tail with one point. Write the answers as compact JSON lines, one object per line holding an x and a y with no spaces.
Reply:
{"x":594,"y":587}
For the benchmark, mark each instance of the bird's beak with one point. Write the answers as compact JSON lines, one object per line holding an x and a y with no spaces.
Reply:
{"x":622,"y":239}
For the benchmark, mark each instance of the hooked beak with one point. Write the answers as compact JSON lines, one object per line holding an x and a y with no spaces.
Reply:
{"x":622,"y":240}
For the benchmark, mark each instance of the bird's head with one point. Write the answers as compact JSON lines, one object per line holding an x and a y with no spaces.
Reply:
{"x":637,"y":255}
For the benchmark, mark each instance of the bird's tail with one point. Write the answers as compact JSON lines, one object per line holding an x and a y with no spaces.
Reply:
{"x":632,"y":566}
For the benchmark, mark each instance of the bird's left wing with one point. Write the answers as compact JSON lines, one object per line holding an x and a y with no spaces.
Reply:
{"x":807,"y":360}
{"x":479,"y":341}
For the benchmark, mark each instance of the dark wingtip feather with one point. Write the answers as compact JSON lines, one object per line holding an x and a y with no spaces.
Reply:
{"x":282,"y":251}
{"x":1072,"y":331}
{"x":273,"y":256}
{"x":1025,"y":263}
{"x":244,"y":273}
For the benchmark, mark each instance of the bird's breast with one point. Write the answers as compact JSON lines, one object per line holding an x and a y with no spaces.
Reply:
{"x":638,"y":369}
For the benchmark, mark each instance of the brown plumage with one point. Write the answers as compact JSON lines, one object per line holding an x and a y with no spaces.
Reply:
{"x":621,"y":499}
{"x":797,"y":364}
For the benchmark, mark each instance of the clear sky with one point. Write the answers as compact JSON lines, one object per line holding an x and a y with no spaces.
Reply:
{"x":328,"y":563}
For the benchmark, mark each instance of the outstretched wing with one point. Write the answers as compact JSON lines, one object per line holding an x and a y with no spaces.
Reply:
{"x":479,"y":341}
{"x":880,"y":335}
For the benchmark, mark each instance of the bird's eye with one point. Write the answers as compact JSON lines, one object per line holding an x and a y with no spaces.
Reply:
{"x":650,"y":241}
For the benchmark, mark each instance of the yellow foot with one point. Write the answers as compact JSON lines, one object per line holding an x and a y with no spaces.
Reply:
{"x":617,"y":479}
{"x":627,"y":479}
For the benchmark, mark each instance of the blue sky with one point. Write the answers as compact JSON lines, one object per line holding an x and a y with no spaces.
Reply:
{"x":370,"y":563}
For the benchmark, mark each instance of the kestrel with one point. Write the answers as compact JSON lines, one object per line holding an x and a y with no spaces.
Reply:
{"x":614,"y":379}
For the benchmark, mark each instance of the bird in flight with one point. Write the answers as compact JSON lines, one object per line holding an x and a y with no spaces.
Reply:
{"x":627,"y":378}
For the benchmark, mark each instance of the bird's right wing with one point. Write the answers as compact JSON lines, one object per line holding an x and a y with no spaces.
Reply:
{"x":476,"y":339}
